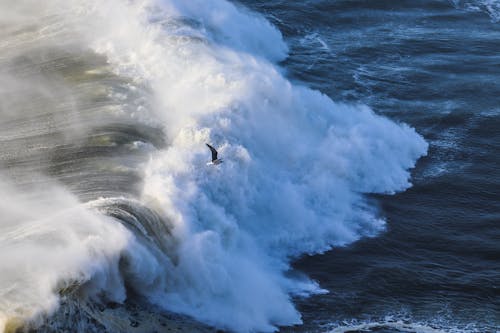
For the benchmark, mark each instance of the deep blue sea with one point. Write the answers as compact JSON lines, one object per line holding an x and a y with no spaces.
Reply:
{"x":360,"y":183}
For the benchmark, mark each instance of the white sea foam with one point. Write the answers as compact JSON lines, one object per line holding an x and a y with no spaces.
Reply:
{"x":404,"y":325}
{"x":296,"y":163}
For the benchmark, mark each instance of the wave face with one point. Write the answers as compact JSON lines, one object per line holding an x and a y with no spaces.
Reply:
{"x":106,"y":109}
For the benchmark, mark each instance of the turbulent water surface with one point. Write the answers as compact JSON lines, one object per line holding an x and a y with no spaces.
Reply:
{"x":313,"y":223}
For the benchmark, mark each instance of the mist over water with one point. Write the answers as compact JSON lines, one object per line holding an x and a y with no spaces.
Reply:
{"x":105,"y":111}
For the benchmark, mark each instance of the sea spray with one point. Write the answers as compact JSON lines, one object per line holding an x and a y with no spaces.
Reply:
{"x":49,"y":242}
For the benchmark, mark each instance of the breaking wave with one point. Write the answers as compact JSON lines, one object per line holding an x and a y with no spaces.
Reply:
{"x":133,"y":204}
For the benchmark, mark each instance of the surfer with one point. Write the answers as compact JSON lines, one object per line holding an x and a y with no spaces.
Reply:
{"x":215,"y":160}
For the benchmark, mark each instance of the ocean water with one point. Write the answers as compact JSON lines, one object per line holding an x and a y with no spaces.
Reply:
{"x":359,"y":189}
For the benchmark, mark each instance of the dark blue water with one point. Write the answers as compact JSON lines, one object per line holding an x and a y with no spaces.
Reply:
{"x":436,"y":66}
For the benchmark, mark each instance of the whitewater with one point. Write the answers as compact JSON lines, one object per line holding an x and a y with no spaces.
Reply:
{"x":105,"y":109}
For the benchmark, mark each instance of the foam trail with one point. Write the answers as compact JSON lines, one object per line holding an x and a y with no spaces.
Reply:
{"x":296,"y":163}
